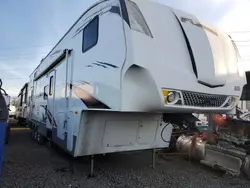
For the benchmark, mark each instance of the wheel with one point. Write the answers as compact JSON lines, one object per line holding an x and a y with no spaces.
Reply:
{"x":32,"y":134}
{"x":40,"y":139}
{"x":35,"y":135}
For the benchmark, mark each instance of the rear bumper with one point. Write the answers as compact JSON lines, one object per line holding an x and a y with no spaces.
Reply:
{"x":190,"y":109}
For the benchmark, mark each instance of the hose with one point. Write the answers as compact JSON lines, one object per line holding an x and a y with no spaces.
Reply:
{"x":162,"y":133}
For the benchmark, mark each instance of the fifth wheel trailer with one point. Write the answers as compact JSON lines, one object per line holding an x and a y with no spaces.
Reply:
{"x":109,"y":82}
{"x":22,"y":104}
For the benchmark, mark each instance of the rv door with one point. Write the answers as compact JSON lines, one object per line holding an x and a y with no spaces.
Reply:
{"x":50,"y":101}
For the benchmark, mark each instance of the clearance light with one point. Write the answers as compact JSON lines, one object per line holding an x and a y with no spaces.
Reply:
{"x":231,"y":101}
{"x":171,"y":97}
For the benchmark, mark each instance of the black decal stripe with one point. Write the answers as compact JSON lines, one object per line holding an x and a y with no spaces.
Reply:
{"x":189,"y":49}
{"x":209,"y":85}
{"x":88,"y":66}
{"x":99,"y":65}
{"x":50,"y":117}
{"x":53,"y":120}
{"x":111,"y":65}
{"x":124,"y":12}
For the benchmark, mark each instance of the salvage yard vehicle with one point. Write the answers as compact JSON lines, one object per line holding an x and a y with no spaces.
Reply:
{"x":22,"y":105}
{"x":12,"y":111}
{"x":124,"y":71}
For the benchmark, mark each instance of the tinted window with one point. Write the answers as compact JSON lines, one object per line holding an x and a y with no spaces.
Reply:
{"x":90,"y":35}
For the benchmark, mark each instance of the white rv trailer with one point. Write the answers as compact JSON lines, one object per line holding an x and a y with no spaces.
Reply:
{"x":124,"y":64}
{"x":22,"y":104}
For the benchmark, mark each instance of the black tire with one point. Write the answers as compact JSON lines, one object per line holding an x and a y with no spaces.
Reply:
{"x":40,"y":139}
{"x":35,"y":136}
{"x":32,"y":134}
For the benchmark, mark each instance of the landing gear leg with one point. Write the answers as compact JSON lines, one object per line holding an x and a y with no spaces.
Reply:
{"x":153,"y":158}
{"x":91,"y":166}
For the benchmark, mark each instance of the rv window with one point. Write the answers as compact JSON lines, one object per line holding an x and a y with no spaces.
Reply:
{"x":136,"y":19}
{"x":51,"y":85}
{"x":21,"y":99}
{"x":26,"y":94}
{"x":90,"y":35}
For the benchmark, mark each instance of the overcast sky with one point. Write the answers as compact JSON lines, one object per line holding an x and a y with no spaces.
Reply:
{"x":30,"y":28}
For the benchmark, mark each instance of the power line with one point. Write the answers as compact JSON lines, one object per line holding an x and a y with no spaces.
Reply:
{"x":242,"y":41}
{"x":244,"y":45}
{"x":239,"y":32}
{"x":25,"y":57}
{"x":23,"y":54}
{"x":14,"y":78}
{"x":25,"y":47}
{"x":10,"y":69}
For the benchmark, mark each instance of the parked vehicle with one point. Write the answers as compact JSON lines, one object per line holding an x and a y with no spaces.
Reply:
{"x":116,"y":77}
{"x":12,"y":111}
{"x":22,"y":106}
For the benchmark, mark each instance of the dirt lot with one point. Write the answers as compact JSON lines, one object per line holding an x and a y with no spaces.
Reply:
{"x":29,"y":165}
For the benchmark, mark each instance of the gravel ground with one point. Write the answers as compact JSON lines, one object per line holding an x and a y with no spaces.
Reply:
{"x":29,"y":165}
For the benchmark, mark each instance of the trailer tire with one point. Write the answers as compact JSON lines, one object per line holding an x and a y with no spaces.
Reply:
{"x":33,"y":134}
{"x":40,"y":139}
